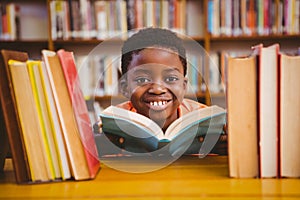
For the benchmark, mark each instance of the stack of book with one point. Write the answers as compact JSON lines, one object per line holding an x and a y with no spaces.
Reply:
{"x":103,"y":19}
{"x":9,"y":21}
{"x":46,"y":119}
{"x":252,"y":17}
{"x":263,"y":97}
{"x":23,"y":21}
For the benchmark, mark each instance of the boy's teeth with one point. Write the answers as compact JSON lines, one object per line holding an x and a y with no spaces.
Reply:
{"x":158,"y":103}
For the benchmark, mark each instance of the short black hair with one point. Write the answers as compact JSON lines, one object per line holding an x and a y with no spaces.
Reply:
{"x":152,"y":37}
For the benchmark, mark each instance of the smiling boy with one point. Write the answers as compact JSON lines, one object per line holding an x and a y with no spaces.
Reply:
{"x":154,"y":80}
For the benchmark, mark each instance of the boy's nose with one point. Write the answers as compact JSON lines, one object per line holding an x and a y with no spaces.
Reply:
{"x":157,"y":88}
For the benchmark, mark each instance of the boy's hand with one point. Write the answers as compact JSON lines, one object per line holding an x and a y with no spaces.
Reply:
{"x":97,"y":127}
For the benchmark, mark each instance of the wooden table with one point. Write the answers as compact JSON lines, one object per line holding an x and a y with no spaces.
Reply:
{"x":189,"y":178}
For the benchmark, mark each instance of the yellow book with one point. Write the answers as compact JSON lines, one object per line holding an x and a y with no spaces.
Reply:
{"x":28,"y":115}
{"x":50,"y":152}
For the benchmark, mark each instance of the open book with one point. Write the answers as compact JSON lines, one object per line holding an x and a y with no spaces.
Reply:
{"x":141,"y":134}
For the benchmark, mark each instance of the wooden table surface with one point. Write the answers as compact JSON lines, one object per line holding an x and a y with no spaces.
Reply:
{"x":187,"y":178}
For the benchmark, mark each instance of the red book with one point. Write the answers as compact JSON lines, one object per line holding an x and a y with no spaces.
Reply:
{"x":80,"y":110}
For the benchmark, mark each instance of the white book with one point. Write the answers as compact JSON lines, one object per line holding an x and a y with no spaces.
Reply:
{"x":268,"y":109}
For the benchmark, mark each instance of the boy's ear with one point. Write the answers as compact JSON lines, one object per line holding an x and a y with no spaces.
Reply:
{"x":124,"y":87}
{"x":185,"y":82}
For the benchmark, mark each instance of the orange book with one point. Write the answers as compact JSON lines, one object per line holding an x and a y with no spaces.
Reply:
{"x":242,"y":117}
{"x":251,"y":17}
{"x":80,"y":109}
{"x":289,"y":115}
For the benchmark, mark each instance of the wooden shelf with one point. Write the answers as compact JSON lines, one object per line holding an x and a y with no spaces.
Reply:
{"x":81,"y":41}
{"x":97,"y":41}
{"x":255,"y":37}
{"x":25,"y":42}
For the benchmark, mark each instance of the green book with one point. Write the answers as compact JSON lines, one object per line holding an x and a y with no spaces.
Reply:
{"x":140,"y":134}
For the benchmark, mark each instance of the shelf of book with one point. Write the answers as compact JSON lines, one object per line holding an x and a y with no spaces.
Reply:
{"x":200,"y":20}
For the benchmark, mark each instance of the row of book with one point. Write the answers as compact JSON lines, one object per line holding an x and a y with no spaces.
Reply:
{"x":100,"y":75}
{"x":22,"y":21}
{"x":10,"y":21}
{"x":253,"y":17}
{"x":102,"y":19}
{"x":46,"y":118}
{"x":263,"y":102}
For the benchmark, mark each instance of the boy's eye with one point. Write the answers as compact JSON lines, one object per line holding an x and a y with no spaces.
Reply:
{"x":142,"y":80}
{"x":171,"y":79}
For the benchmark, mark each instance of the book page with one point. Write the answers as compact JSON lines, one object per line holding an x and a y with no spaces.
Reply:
{"x":191,"y":118}
{"x":139,"y":119}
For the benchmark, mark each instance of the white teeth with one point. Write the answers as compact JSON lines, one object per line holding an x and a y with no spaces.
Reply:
{"x":158,"y":103}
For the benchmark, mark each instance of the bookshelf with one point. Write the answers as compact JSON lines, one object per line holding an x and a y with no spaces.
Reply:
{"x":195,"y":20}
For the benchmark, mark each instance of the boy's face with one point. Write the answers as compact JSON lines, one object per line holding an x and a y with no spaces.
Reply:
{"x":156,"y":85}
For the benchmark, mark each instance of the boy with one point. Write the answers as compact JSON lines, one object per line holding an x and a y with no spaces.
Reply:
{"x":154,"y":67}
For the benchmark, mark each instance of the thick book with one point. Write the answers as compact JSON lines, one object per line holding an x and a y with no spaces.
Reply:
{"x":72,"y":137}
{"x":241,"y":96}
{"x":80,"y":109}
{"x":10,"y":117}
{"x":289,"y":115}
{"x":141,"y":134}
